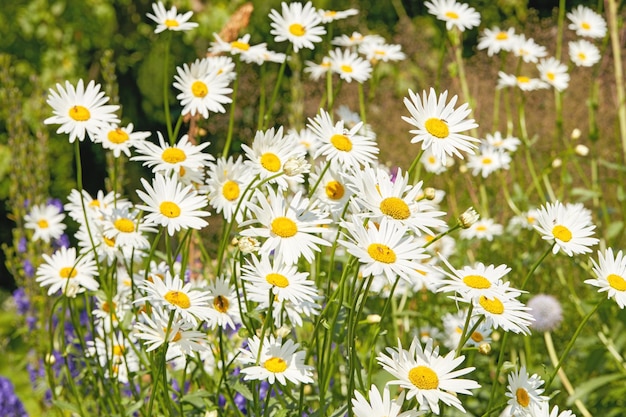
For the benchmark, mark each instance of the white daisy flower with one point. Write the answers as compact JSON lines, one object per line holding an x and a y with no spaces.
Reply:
{"x":350,"y":66}
{"x":454,"y":324}
{"x":393,"y":198}
{"x":376,"y":52}
{"x":115,"y":354}
{"x":119,"y":139}
{"x":583,"y":53}
{"x":496,"y":40}
{"x":586,"y":22}
{"x":80,"y":111}
{"x":332,"y":191}
{"x":171,"y":294}
{"x":223,"y":64}
{"x":569,"y":227}
{"x":384,"y":249}
{"x":96,"y":208}
{"x":317,"y":71}
{"x":289,"y":227}
{"x":249,"y":53}
{"x":471,"y":282}
{"x":427,"y":376}
{"x":202,"y":93}
{"x":482,"y":229}
{"x":284,"y":281}
{"x":488,"y":161}
{"x":380,"y":405}
{"x":275,"y":361}
{"x":182,"y":339}
{"x":165,"y":158}
{"x":439,"y":124}
{"x":227,"y":181}
{"x":297,"y":24}
{"x":170,"y":205}
{"x":46,"y":220}
{"x":508,"y":144}
{"x":342,"y":147}
{"x":349,"y":41}
{"x":610,"y":271}
{"x":527,"y":49}
{"x":554,"y":73}
{"x":67,"y":272}
{"x":523,"y":82}
{"x":170,"y":19}
{"x":124,"y":227}
{"x":433,"y":164}
{"x":225,"y":302}
{"x":307,"y":139}
{"x":505,"y":311}
{"x":454,"y":14}
{"x":332,"y":15}
{"x":109,"y":315}
{"x":545,"y":411}
{"x":524,"y":393}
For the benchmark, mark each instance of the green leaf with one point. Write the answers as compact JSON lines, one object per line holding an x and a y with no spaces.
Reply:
{"x":63,"y":405}
{"x":584,"y":194}
{"x":196,"y":398}
{"x":592,"y":385}
{"x":614,"y":229}
{"x":612,"y":165}
{"x":243,"y":390}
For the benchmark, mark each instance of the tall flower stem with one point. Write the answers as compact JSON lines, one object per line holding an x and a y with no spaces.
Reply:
{"x":166,"y":86}
{"x":456,"y":38}
{"x":533,"y":268}
{"x":279,"y":79}
{"x":231,"y":118}
{"x":362,"y":104}
{"x":619,"y":71}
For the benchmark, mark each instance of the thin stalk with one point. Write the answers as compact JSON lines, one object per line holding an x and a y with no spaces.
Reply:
{"x":231,"y":118}
{"x":166,"y":87}
{"x":619,"y":71}
{"x":279,"y":79}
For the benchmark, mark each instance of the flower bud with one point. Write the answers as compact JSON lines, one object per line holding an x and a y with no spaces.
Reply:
{"x":484,"y":349}
{"x":429,"y":193}
{"x":468,"y":218}
{"x":248,"y":244}
{"x":296,"y":166}
{"x":557,"y":163}
{"x":581,"y":150}
{"x":576,"y":133}
{"x":373,"y":318}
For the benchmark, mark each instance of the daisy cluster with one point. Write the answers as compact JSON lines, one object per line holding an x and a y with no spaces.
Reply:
{"x":315,"y":232}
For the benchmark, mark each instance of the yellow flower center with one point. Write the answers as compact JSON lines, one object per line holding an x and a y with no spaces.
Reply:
{"x":117,"y":136}
{"x":481,"y":228}
{"x":494,"y":306}
{"x":522,"y":397}
{"x":334,"y":190}
{"x":270,"y":162}
{"x":109,"y":242}
{"x":278,"y":280}
{"x":296,"y":29}
{"x":43,"y":224}
{"x":502,"y":36}
{"x":341,"y":142}
{"x":173,"y":155}
{"x":562,"y":233}
{"x":522,"y":79}
{"x":550,"y":76}
{"x":424,"y":378}
{"x":582,"y":56}
{"x":177,"y":336}
{"x":437,"y":127}
{"x":487,"y":161}
{"x":221,"y":304}
{"x":106,"y":307}
{"x":80,"y":113}
{"x":452,"y":15}
{"x":68,"y":272}
{"x":169,"y":209}
{"x":178,"y":298}
{"x":381,"y":253}
{"x":477,"y":337}
{"x":240,"y":45}
{"x":284,"y":227}
{"x":124,"y":225}
{"x":585,"y":25}
{"x":616,"y":282}
{"x":94,"y":203}
{"x":275,"y":365}
{"x":330,"y":13}
{"x":346,"y":68}
{"x":118,"y":350}
{"x":199,"y":89}
{"x":395,"y":207}
{"x":476,"y":281}
{"x":432,"y":160}
{"x":230,"y":190}
{"x":171,"y":23}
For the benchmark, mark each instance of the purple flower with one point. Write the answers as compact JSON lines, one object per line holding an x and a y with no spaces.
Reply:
{"x":56,"y":203}
{"x":29,"y":269}
{"x":62,"y":242}
{"x":21,"y":301}
{"x":21,"y":245}
{"x":10,"y":404}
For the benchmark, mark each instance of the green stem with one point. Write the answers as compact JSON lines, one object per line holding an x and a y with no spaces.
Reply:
{"x":166,"y":87}
{"x":616,"y":48}
{"x":362,"y":104}
{"x":231,"y":118}
{"x":281,"y":72}
{"x":535,"y":266}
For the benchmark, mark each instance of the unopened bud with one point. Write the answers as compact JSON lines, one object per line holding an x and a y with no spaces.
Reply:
{"x":468,"y":218}
{"x":575,"y":134}
{"x":211,"y":413}
{"x":248,"y":244}
{"x":463,"y":169}
{"x":50,"y":359}
{"x":429,"y":193}
{"x":484,"y":349}
{"x":581,"y":150}
{"x":296,"y":166}
{"x":557,"y":163}
{"x":373,"y":318}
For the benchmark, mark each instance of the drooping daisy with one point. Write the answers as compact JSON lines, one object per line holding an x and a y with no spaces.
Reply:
{"x":523,"y":82}
{"x":46,"y":220}
{"x":171,"y":294}
{"x":167,"y":159}
{"x":182,"y":339}
{"x":249,"y":53}
{"x":569,"y":227}
{"x":586,"y":22}
{"x":524,"y":393}
{"x":227,"y":181}
{"x":554,"y":73}
{"x":393,"y":198}
{"x":350,"y":66}
{"x":67,"y":272}
{"x":80,"y":111}
{"x":504,"y":310}
{"x":119,"y":139}
{"x":427,"y":376}
{"x":332,"y":15}
{"x":487,"y":161}
{"x":297,"y":24}
{"x":496,"y":40}
{"x":344,"y":148}
{"x":380,"y":405}
{"x":170,"y":19}
{"x":583,"y":53}
{"x":289,"y":227}
{"x":282,"y":280}
{"x":384,"y":249}
{"x":349,"y":41}
{"x":482,"y":229}
{"x":439,"y":124}
{"x":455,"y":14}
{"x":202,"y":93}
{"x":170,"y":205}
{"x":275,"y":361}
{"x":317,"y":71}
{"x":376,"y":52}
{"x":610,"y":271}
{"x":527,"y":49}
{"x":225,"y":303}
